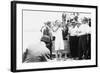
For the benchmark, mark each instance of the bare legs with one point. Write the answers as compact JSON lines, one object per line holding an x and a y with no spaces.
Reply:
{"x":58,"y":55}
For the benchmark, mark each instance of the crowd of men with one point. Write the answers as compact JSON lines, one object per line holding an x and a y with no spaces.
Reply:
{"x":78,"y":33}
{"x":74,"y":32}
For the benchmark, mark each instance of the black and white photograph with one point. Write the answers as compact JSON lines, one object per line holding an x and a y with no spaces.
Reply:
{"x":54,"y":36}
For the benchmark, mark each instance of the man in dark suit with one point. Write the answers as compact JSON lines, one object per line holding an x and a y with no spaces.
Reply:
{"x":47,"y":36}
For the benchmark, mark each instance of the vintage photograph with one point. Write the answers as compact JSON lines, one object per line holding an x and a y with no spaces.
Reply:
{"x":56,"y":36}
{"x":47,"y":36}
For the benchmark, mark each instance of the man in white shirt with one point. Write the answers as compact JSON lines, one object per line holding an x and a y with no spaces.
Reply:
{"x":73,"y":40}
{"x":83,"y":30}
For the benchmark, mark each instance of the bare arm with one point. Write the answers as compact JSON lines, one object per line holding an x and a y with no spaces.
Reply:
{"x":55,"y":29}
{"x":42,"y":28}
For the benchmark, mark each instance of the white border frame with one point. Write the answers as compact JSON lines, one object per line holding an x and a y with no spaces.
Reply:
{"x":26,"y":66}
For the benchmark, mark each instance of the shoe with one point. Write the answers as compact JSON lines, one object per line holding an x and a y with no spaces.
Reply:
{"x":80,"y":58}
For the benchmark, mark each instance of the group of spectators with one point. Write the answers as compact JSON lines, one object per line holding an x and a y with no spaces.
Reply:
{"x":80,"y":38}
{"x":76,"y":32}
